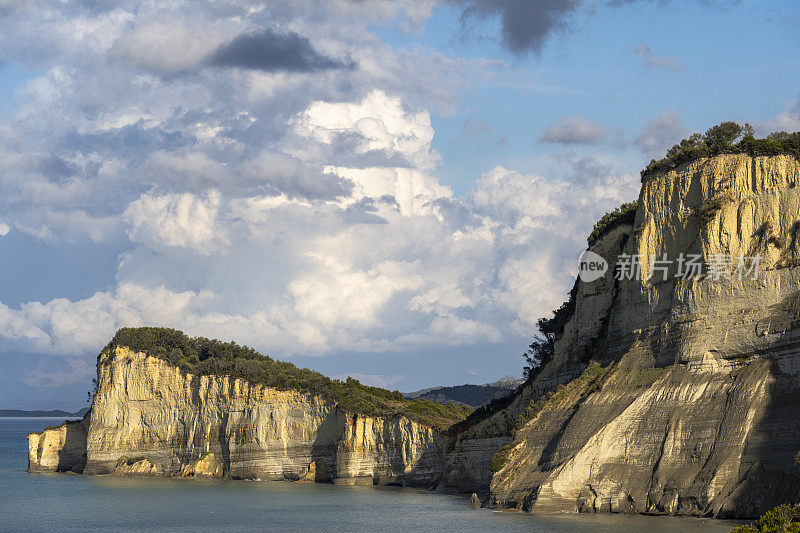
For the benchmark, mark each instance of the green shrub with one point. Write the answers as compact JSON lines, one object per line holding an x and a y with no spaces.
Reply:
{"x":709,"y":210}
{"x":784,"y":518}
{"x":500,"y":458}
{"x":728,"y":137}
{"x":624,"y":214}
{"x":203,"y":356}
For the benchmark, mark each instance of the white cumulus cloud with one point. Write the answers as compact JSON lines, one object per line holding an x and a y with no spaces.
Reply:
{"x":181,"y":220}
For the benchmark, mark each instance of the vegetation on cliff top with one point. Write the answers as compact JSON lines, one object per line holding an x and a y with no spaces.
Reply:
{"x":725,"y":138}
{"x":624,"y":214}
{"x":213,"y":357}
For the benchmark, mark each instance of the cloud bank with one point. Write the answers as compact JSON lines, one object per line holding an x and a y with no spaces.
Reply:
{"x":270,"y":187}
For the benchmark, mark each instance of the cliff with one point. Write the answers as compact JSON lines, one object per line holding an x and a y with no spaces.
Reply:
{"x":673,"y":395}
{"x":59,"y":448}
{"x":149,"y":417}
{"x":665,"y":394}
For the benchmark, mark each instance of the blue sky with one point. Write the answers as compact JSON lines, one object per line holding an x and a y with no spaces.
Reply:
{"x":593,"y":70}
{"x":390,"y":190}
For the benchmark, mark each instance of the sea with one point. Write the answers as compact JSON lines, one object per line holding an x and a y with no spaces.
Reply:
{"x":70,"y":502}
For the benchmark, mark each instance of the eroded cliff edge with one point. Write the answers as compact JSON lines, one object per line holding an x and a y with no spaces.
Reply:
{"x":677,"y":396}
{"x":151,"y":418}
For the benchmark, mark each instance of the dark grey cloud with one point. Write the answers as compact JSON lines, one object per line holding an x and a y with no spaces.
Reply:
{"x":54,"y":167}
{"x":525,"y":24}
{"x":364,"y":211}
{"x":711,"y":3}
{"x":273,"y":50}
{"x":279,"y":173}
{"x":574,"y":129}
{"x":458,"y":215}
{"x":127,"y":141}
{"x":583,"y":170}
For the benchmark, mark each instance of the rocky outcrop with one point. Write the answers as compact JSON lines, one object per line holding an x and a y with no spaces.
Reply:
{"x":685,"y":398}
{"x":150,"y":418}
{"x":209,"y":465}
{"x":137,"y":466}
{"x":59,"y":448}
{"x":475,"y":501}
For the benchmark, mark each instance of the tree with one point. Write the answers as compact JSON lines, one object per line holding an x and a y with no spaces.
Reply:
{"x":537,"y":354}
{"x":90,"y":394}
{"x":550,"y":329}
{"x":722,"y":136}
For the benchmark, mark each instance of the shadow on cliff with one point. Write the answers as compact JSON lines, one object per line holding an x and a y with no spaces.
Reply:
{"x":429,"y":469}
{"x":335,"y":457}
{"x":72,"y":455}
{"x":548,"y":460}
{"x":323,"y":449}
{"x":769,"y":474}
{"x":224,"y":445}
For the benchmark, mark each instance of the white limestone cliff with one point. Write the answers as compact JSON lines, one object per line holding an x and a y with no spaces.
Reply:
{"x":691,"y":407}
{"x":150,"y":418}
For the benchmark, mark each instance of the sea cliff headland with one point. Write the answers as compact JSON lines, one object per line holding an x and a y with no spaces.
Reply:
{"x":656,"y":390}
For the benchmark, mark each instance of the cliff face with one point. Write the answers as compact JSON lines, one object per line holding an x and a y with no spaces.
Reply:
{"x":690,"y":409}
{"x":474,"y":443}
{"x":61,"y":448}
{"x":150,"y":418}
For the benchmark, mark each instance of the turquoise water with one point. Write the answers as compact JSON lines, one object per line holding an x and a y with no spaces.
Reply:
{"x":68,"y":502}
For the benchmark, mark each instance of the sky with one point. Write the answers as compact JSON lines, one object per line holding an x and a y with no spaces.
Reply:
{"x":394,"y":190}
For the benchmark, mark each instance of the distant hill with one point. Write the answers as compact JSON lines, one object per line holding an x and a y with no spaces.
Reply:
{"x":472,"y":395}
{"x":56,"y":413}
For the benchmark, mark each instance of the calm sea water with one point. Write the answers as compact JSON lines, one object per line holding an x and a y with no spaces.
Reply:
{"x":68,"y":502}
